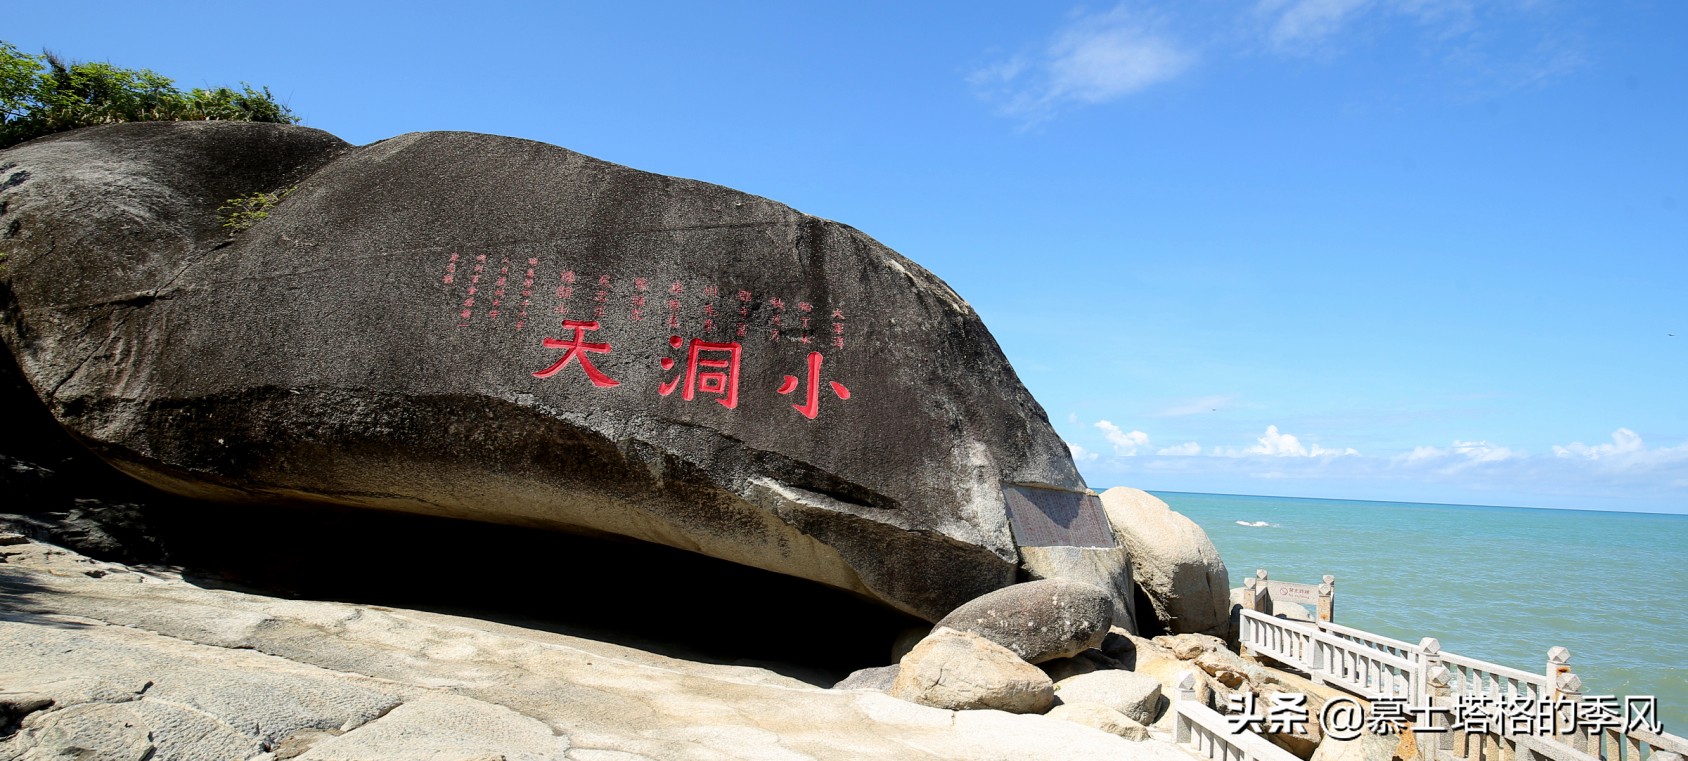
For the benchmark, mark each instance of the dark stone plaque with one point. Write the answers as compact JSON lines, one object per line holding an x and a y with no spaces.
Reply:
{"x":1055,"y":518}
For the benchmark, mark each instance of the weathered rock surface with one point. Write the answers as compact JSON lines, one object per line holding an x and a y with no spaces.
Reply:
{"x":1101,"y":717}
{"x":1061,"y":668}
{"x":756,"y":384}
{"x":880,"y":678}
{"x":1135,"y":695}
{"x":1188,"y":647}
{"x":1038,"y":620}
{"x":124,"y":664}
{"x":1173,"y":562}
{"x":964,"y":671}
{"x":1366,"y":747}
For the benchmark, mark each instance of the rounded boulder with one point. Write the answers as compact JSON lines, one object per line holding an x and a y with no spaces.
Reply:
{"x":1173,"y":562}
{"x":1038,"y":620}
{"x":963,"y":671}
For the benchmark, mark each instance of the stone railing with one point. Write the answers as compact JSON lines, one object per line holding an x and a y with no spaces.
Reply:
{"x":1360,"y":666}
{"x":1377,"y":667}
{"x":1205,"y":734}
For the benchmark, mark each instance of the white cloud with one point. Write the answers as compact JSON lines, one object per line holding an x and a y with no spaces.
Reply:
{"x":1470,"y":451}
{"x":1278,"y":444}
{"x":1626,"y":451}
{"x":1186,"y":449}
{"x":1299,"y":26}
{"x":1275,"y":443}
{"x":1092,"y":59}
{"x":1080,"y":454}
{"x":1460,"y":456}
{"x":1125,"y":444}
{"x":1526,"y":49}
{"x":1299,"y":21}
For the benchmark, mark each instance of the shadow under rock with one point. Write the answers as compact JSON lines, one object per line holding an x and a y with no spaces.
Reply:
{"x":631,"y":593}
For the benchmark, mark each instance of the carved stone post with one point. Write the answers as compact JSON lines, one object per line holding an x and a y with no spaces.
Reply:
{"x":1558,"y":662}
{"x":1558,"y":665}
{"x":1429,"y":657}
{"x":1186,"y":694}
{"x":1245,"y":627}
{"x":1264,"y":602}
{"x":1439,"y":694}
{"x":1569,"y":688}
{"x":1327,"y":599}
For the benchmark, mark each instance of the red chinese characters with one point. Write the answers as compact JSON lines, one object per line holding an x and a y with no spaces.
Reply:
{"x":812,"y":406}
{"x":711,"y":374}
{"x":577,"y":348}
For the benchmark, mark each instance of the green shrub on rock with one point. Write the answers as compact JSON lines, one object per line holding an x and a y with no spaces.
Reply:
{"x":241,"y":212}
{"x":43,"y":94}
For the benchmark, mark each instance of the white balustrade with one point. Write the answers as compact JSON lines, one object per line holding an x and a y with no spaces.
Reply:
{"x":1374,"y":666}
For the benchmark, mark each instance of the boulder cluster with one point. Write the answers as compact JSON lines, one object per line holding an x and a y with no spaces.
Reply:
{"x":1044,"y":647}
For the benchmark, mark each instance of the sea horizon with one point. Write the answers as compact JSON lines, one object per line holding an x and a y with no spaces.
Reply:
{"x":1498,"y":583}
{"x":1683,"y":515}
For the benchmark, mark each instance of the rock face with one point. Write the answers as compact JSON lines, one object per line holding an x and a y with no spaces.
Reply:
{"x":1174,"y":564}
{"x":1038,"y":620}
{"x":99,"y":661}
{"x":964,"y":671}
{"x":880,"y":678}
{"x":1101,"y":717}
{"x":490,"y":328}
{"x":1135,"y":695}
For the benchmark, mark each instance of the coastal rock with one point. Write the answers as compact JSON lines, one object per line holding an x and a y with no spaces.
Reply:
{"x":98,"y":663}
{"x":1101,"y":717}
{"x":1305,"y":742}
{"x":1173,"y":562}
{"x":1158,"y":663}
{"x":1061,"y":668}
{"x":964,"y":671}
{"x":1229,"y":668}
{"x":1135,"y":695}
{"x":1292,"y":611}
{"x":1366,"y":747}
{"x":879,"y":678}
{"x":1188,"y":647}
{"x":1106,"y":568}
{"x":907,"y":639}
{"x":1038,"y":620}
{"x":489,"y":328}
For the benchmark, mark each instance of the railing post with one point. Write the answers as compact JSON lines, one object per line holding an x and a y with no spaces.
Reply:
{"x":1317,"y":655}
{"x":1429,"y":657}
{"x":1186,"y":694}
{"x":1568,"y":687}
{"x":1262,"y":589}
{"x":1327,"y":599}
{"x":1245,"y":627}
{"x":1438,"y":694}
{"x":1559,"y":665}
{"x":1558,"y":662}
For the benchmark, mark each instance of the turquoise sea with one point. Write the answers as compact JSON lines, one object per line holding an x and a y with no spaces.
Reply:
{"x":1502,"y":584}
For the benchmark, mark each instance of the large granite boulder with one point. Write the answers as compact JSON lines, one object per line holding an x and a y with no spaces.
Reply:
{"x":1135,"y":695}
{"x":490,"y":328}
{"x":963,"y":671}
{"x":1101,"y":717}
{"x":1173,"y":562}
{"x":1038,"y":620}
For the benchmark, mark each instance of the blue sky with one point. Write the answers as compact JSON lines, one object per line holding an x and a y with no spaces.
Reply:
{"x":1418,"y":250}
